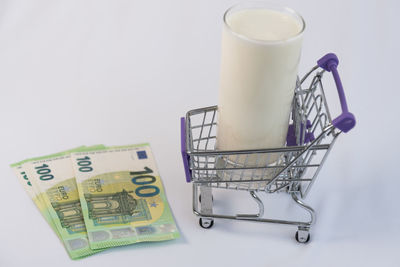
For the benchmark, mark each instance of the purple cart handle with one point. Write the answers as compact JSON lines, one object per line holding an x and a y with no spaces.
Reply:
{"x":185,"y":156}
{"x":345,"y":121}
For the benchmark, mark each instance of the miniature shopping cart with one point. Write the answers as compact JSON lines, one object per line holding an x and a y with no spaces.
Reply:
{"x":291,"y":169}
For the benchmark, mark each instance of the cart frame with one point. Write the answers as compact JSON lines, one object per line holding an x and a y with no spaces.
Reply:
{"x":291,"y":169}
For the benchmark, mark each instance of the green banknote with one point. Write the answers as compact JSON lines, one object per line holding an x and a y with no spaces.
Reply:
{"x":55,"y":185}
{"x":27,"y":185}
{"x":23,"y":178}
{"x":122,"y":196}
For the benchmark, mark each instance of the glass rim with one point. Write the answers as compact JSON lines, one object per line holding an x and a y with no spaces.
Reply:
{"x":265,"y":5}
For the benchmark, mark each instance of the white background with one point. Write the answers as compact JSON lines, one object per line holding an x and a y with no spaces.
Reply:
{"x":83,"y":72}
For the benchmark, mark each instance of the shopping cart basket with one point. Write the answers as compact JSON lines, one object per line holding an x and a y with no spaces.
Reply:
{"x":291,"y":169}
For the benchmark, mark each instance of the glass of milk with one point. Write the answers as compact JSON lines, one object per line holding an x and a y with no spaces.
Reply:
{"x":261,"y":47}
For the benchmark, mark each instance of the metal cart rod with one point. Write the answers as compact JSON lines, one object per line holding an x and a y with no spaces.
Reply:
{"x":307,"y":148}
{"x":252,"y":168}
{"x":264,"y":220}
{"x":260,"y":208}
{"x":253,"y":180}
{"x":258,"y":151}
{"x":257,"y":217}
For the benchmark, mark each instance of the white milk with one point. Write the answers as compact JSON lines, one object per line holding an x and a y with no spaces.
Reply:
{"x":260,"y":54}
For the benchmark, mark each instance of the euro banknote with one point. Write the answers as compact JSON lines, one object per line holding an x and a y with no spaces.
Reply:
{"x":122,"y":196}
{"x":53,"y":179}
{"x":27,"y":185}
{"x":32,"y":192}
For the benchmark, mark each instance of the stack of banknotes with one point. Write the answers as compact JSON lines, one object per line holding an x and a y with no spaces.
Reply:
{"x":99,"y":197}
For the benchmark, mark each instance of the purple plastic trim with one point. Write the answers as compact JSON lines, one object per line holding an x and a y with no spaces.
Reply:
{"x":291,"y":135}
{"x":345,"y":121}
{"x":185,"y":156}
{"x":309,"y":137}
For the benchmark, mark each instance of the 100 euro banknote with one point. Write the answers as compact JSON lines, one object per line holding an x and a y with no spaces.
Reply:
{"x":53,"y":179}
{"x":22,"y":177}
{"x":32,"y":192}
{"x":122,"y":197}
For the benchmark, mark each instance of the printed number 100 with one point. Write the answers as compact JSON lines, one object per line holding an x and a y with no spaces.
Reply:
{"x":84,"y":164}
{"x":144,"y":183}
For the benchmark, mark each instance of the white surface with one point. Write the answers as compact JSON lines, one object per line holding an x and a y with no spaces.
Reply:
{"x":122,"y":72}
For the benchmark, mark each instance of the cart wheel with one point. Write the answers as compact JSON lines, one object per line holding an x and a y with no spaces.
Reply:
{"x":302,"y":237}
{"x":206,"y":223}
{"x":212,"y":198}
